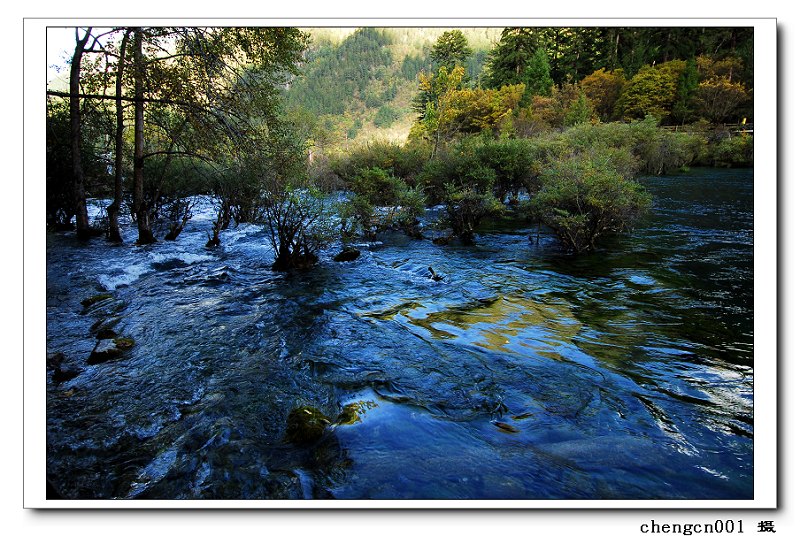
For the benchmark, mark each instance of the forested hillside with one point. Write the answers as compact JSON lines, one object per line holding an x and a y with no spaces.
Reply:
{"x":360,"y":84}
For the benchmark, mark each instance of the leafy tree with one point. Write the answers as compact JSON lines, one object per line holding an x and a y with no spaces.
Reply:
{"x":467,"y":111}
{"x":190,"y":81}
{"x":719,"y":97}
{"x":721,"y":92}
{"x":652,"y":91}
{"x":603,"y":88}
{"x":440,"y":91}
{"x":85,"y":42}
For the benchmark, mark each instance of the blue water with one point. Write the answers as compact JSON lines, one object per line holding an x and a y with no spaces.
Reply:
{"x":524,"y":374}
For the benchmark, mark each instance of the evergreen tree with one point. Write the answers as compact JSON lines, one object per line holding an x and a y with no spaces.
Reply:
{"x":509,"y":58}
{"x":579,"y":112}
{"x":687,"y":88}
{"x":536,"y":77}
{"x":450,"y":49}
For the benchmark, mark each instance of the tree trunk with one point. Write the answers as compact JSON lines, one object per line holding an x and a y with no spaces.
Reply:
{"x":140,"y":204}
{"x":79,"y":190}
{"x":113,"y":210}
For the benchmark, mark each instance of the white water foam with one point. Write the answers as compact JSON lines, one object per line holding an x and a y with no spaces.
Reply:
{"x":126,"y":276}
{"x":188,"y":258}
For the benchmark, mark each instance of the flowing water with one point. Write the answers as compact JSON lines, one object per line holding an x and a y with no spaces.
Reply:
{"x":524,"y":374}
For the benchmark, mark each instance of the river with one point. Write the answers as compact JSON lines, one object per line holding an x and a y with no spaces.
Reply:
{"x":524,"y":373}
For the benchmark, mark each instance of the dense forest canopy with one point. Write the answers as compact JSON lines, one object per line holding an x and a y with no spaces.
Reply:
{"x":266,"y":121}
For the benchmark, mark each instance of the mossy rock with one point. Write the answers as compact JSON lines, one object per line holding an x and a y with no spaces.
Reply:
{"x":95,"y":299}
{"x":109,"y":348}
{"x":347,"y":254}
{"x":306,"y":424}
{"x":105,"y":350}
{"x":352,"y":412}
{"x":124,"y":343}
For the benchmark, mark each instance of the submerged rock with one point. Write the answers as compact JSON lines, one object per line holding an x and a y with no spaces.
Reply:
{"x":66,"y":372}
{"x":62,"y":370}
{"x":306,"y":424}
{"x":505,"y":427}
{"x":96,"y":298}
{"x":55,"y":360}
{"x":109,"y":348}
{"x":352,"y":412}
{"x":347,"y":254}
{"x":106,"y":334}
{"x":104,"y":324}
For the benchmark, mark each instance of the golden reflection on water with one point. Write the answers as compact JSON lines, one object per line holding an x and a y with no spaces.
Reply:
{"x":498,"y":323}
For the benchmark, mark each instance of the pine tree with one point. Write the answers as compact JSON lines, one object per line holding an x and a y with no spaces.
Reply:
{"x":536,"y":77}
{"x":684,"y":95}
{"x":450,"y":49}
{"x":509,"y":58}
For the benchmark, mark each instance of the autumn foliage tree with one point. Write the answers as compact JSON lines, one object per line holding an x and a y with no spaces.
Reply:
{"x":602,"y":89}
{"x":652,"y":91}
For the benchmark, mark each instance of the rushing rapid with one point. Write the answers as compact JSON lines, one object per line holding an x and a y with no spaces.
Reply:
{"x":524,"y":373}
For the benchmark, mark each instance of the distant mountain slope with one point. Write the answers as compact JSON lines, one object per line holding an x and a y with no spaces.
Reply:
{"x":359,"y":83}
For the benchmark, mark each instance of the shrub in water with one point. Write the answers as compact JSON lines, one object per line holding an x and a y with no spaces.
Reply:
{"x":584,"y":199}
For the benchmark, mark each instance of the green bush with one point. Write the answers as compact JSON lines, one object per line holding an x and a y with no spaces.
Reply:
{"x":512,"y":163}
{"x":584,"y":199}
{"x":378,"y":186}
{"x":735,"y":151}
{"x":657,"y":151}
{"x":356,"y":215}
{"x":374,"y":188}
{"x":402,"y":161}
{"x":466,"y":207}
{"x":412,"y":206}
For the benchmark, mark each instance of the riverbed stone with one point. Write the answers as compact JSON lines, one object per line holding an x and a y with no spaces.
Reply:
{"x":109,"y":348}
{"x":62,"y":369}
{"x":66,"y":372}
{"x":54,"y":360}
{"x":105,"y":350}
{"x":87,"y":302}
{"x":105,"y":324}
{"x":347,"y":254}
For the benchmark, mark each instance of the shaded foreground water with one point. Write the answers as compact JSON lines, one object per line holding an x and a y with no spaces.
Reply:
{"x":524,"y":374}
